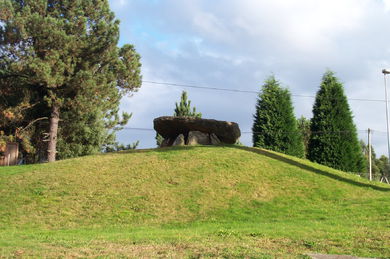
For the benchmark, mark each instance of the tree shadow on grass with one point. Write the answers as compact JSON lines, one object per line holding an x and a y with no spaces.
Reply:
{"x":310,"y":168}
{"x":159,"y":150}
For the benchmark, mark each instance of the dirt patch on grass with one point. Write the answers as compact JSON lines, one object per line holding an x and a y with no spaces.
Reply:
{"x":231,"y":248}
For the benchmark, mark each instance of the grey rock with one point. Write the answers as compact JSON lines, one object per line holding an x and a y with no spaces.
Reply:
{"x":179,"y":141}
{"x":171,"y":127}
{"x":214,"y":139}
{"x":165,"y":142}
{"x":198,"y":138}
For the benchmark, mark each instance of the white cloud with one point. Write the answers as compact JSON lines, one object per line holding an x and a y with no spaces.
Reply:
{"x":387,"y":5}
{"x":300,"y":25}
{"x":211,"y":27}
{"x":119,"y":3}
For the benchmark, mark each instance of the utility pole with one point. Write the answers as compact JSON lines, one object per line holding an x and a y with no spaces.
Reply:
{"x":369,"y":154}
{"x":386,"y":72}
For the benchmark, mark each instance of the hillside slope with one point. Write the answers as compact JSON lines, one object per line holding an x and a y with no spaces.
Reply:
{"x":186,"y":201}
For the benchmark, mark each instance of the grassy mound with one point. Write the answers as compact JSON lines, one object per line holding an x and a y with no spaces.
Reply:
{"x":190,"y":202}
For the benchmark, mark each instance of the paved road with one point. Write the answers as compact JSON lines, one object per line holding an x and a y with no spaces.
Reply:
{"x":323,"y":256}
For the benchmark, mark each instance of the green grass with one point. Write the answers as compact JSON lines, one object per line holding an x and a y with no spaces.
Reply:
{"x":190,"y":202}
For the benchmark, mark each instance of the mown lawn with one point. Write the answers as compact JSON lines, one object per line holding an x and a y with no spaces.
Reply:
{"x":190,"y":202}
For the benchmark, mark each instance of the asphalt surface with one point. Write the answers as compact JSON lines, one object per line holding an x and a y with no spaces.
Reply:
{"x":324,"y":256}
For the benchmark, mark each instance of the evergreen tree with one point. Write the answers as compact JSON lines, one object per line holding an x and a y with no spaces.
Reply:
{"x":16,"y":121}
{"x":159,"y":139}
{"x":334,"y":141}
{"x":275,"y":126}
{"x":65,"y":52}
{"x":384,"y":167}
{"x":120,"y":147}
{"x":182,"y":109}
{"x":91,"y":133}
{"x":304,"y":128}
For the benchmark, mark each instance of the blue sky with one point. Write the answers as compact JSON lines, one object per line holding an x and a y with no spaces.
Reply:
{"x":238,"y":44}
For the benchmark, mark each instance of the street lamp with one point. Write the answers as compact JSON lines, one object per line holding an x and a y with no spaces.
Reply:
{"x":385,"y":72}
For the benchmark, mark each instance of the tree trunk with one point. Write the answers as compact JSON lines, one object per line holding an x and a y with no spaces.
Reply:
{"x":54,"y":118}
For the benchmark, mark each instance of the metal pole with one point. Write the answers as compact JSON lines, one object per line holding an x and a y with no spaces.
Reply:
{"x":387,"y":114}
{"x":369,"y":154}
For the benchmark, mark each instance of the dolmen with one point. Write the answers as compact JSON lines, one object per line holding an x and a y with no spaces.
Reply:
{"x":178,"y":131}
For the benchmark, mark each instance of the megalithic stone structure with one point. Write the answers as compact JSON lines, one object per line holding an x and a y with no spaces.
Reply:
{"x":196,"y":130}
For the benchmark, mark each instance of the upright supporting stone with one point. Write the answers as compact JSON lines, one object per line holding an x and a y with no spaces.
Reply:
{"x":165,"y":142}
{"x":198,"y":138}
{"x":214,"y":139}
{"x":179,"y":141}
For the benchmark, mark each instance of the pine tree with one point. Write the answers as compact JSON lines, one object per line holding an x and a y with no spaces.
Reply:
{"x":333,"y":141}
{"x":184,"y":107}
{"x":89,"y":134}
{"x":275,"y":126}
{"x":65,"y":51}
{"x":16,"y":121}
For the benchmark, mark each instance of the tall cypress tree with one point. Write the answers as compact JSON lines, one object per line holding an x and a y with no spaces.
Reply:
{"x":333,"y":140}
{"x":275,"y":126}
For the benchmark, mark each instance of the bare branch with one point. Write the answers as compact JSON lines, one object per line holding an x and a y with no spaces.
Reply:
{"x":31,"y":123}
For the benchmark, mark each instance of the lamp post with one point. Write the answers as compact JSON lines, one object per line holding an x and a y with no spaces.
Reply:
{"x":385,"y":72}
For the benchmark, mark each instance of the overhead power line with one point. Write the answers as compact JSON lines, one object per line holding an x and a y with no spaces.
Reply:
{"x":246,"y":91}
{"x":141,"y":129}
{"x":202,"y":87}
{"x":289,"y":132}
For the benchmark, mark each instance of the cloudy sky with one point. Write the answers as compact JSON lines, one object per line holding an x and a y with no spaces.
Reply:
{"x":237,"y":44}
